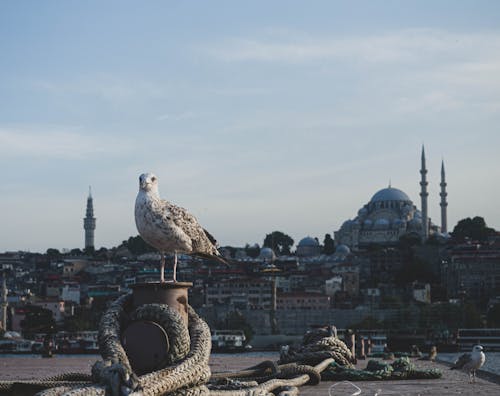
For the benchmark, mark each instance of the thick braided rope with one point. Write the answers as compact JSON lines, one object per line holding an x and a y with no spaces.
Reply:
{"x":65,"y":379}
{"x":192,"y":371}
{"x":288,"y":370}
{"x":289,"y":391}
{"x":37,"y":385}
{"x":318,"y":349}
{"x":109,"y":336}
{"x":265,"y":369}
{"x":269,"y":386}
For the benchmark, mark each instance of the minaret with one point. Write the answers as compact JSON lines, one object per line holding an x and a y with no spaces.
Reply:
{"x":443,"y":203}
{"x":3,"y":304}
{"x":423,"y":195}
{"x":89,"y":223}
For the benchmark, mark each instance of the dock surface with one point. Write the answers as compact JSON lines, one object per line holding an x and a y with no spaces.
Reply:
{"x":453,"y":382}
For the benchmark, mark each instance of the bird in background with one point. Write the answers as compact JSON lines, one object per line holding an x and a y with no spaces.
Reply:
{"x":170,"y":228}
{"x":470,"y":362}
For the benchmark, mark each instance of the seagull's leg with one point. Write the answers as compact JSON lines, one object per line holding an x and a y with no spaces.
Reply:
{"x":162,"y":269}
{"x":175,"y":267}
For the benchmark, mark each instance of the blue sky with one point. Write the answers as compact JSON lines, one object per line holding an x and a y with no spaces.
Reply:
{"x":256,"y":116}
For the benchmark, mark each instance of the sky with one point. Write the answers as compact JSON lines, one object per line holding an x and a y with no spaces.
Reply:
{"x":255,"y":116}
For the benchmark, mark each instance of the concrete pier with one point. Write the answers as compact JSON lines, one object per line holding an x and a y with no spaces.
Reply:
{"x":452,"y":383}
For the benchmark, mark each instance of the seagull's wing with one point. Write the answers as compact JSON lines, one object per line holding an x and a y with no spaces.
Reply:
{"x":462,"y":361}
{"x":202,"y":241}
{"x":211,"y":238}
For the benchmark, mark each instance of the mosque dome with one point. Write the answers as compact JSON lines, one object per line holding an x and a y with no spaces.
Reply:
{"x":390,"y":194}
{"x":267,"y":254}
{"x":308,"y":247}
{"x":342,"y":249}
{"x":308,"y":241}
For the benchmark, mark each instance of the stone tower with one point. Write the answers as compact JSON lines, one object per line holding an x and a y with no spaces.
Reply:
{"x":89,"y":223}
{"x":423,"y":195}
{"x":3,"y":304}
{"x":443,"y":203}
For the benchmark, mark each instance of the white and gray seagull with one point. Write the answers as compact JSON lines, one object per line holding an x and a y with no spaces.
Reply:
{"x":470,"y":362}
{"x":168,"y":227}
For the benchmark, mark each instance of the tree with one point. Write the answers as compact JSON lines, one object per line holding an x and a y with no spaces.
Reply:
{"x":37,"y":320}
{"x":252,"y":251}
{"x":474,"y":229}
{"x":83,"y":319}
{"x":137,"y":246}
{"x":408,"y":241}
{"x":328,"y":245}
{"x":53,"y":253}
{"x":279,"y":242}
{"x":75,"y":252}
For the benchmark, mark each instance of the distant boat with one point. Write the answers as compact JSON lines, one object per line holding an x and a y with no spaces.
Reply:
{"x":229,"y":341}
{"x":488,"y":338}
{"x":20,"y":346}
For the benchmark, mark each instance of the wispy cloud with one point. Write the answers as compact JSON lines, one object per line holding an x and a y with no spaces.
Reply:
{"x":104,"y":87}
{"x":398,"y":46}
{"x":56,"y":142}
{"x":177,"y":116}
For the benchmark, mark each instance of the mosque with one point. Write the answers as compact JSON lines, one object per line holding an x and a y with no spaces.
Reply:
{"x":390,"y":214}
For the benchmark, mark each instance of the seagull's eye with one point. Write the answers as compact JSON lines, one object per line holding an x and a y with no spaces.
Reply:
{"x":153,"y":179}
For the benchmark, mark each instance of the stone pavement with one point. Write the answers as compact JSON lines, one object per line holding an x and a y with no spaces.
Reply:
{"x":452,"y":383}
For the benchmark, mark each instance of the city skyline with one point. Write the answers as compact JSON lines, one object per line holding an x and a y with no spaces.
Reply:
{"x":255,"y":117}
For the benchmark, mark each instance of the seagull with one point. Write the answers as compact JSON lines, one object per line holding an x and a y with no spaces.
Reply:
{"x":470,"y":362}
{"x":170,"y":228}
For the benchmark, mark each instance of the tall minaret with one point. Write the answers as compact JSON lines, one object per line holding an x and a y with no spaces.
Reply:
{"x":3,"y":304}
{"x":89,"y":223}
{"x":443,"y":203}
{"x":423,"y":195}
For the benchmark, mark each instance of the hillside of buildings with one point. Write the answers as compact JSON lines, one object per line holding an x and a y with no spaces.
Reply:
{"x":432,"y":287}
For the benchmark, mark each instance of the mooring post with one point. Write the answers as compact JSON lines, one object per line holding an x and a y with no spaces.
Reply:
{"x":146,"y":343}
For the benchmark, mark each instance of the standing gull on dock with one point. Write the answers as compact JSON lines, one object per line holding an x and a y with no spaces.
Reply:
{"x":170,"y":228}
{"x":470,"y":362}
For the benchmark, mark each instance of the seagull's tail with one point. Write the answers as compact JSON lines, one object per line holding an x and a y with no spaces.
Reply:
{"x":212,"y":257}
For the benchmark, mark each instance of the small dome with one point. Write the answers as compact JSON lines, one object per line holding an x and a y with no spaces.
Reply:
{"x":390,"y":194}
{"x":368,"y":223}
{"x":308,"y":241}
{"x":347,"y":224}
{"x":381,"y":223}
{"x":267,"y":254}
{"x":342,"y":249}
{"x":362,"y":212}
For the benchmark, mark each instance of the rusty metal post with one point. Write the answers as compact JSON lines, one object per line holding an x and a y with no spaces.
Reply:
{"x":175,"y":295}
